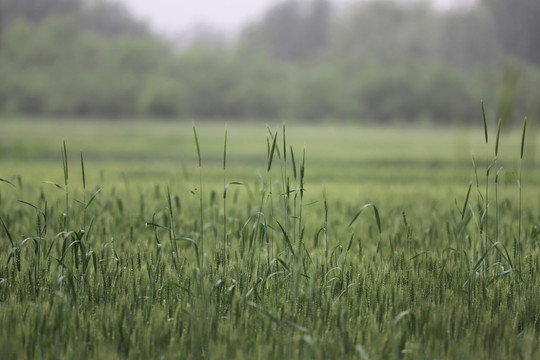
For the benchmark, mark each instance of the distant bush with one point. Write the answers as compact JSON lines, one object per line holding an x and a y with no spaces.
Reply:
{"x":160,"y":96}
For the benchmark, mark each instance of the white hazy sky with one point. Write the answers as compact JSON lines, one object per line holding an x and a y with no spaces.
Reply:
{"x":172,"y":16}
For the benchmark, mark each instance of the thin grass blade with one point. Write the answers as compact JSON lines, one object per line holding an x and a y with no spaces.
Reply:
{"x":197,"y":144}
{"x":377,"y":217}
{"x":287,"y":240}
{"x":225,"y":150}
{"x":92,"y":198}
{"x":293,"y":163}
{"x":8,"y":234}
{"x":497,"y":138}
{"x":485,"y":122}
{"x":83,"y":173}
{"x":284,"y":144}
{"x":31,"y":205}
{"x":271,"y":154}
{"x":302,"y":172}
{"x":466,"y":201}
{"x":65,"y":163}
{"x":7,"y":182}
{"x":55,"y":184}
{"x":523,"y":137}
{"x":270,"y":316}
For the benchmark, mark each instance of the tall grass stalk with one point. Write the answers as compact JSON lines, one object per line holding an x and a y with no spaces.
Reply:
{"x":201,"y":235}
{"x":223,"y":260}
{"x":41,"y":230}
{"x":486,"y":200}
{"x":66,"y":175}
{"x":274,"y":151}
{"x":172,"y":231}
{"x":462,"y":230}
{"x":379,"y":227}
{"x":285,"y":184}
{"x":520,"y":184}
{"x":83,"y":173}
{"x":15,"y":250}
{"x":300,"y":206}
{"x":325,"y":229}
{"x":293,"y":162}
{"x":66,"y":215}
{"x":226,"y":186}
{"x":497,"y":184}
{"x":84,"y":234}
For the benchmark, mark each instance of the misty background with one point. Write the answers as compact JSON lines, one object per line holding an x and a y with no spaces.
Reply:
{"x":374,"y":61}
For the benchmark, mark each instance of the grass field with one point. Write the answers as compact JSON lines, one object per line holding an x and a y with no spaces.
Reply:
{"x":371,"y":246}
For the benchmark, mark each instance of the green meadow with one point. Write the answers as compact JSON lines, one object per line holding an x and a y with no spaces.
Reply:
{"x":173,"y":239}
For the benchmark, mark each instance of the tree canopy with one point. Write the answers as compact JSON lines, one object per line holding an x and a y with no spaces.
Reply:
{"x":373,"y":61}
{"x":517,"y":27}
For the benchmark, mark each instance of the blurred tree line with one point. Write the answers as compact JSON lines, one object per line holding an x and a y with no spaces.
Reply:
{"x":375,"y":61}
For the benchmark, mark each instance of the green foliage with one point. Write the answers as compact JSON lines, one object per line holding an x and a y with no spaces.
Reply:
{"x":385,"y":32}
{"x":160,"y":96}
{"x":111,"y":19}
{"x":37,"y":10}
{"x":56,"y":67}
{"x":517,"y":27}
{"x":291,"y":31}
{"x":378,"y":61}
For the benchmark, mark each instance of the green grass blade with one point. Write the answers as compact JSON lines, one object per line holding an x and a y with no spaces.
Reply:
{"x":195,"y":245}
{"x":229,"y":185}
{"x":295,"y":326}
{"x":497,"y":139}
{"x":83,"y":173}
{"x":225,"y":150}
{"x":400,"y":316}
{"x":183,"y":288}
{"x":155,"y":225}
{"x":475,"y":170}
{"x":484,"y":255}
{"x":31,"y":205}
{"x":92,"y":198}
{"x":293,"y":163}
{"x":466,"y":201}
{"x":287,"y":240}
{"x":284,"y":144}
{"x":467,"y":263}
{"x":217,"y":285}
{"x":284,"y":264}
{"x":197,"y":144}
{"x":377,"y":217}
{"x":523,"y":137}
{"x":7,"y":182}
{"x":90,"y":226}
{"x":65,"y":163}
{"x":362,"y":352}
{"x":271,"y":153}
{"x":8,"y":234}
{"x":270,"y":316}
{"x":350,"y":242}
{"x":55,"y":184}
{"x":488,"y":170}
{"x":302,"y":173}
{"x":485,"y":122}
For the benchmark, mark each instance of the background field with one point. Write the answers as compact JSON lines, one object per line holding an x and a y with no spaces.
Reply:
{"x":367,"y":161}
{"x":128,"y":273}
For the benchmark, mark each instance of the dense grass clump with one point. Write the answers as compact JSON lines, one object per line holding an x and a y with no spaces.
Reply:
{"x":265,"y":268}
